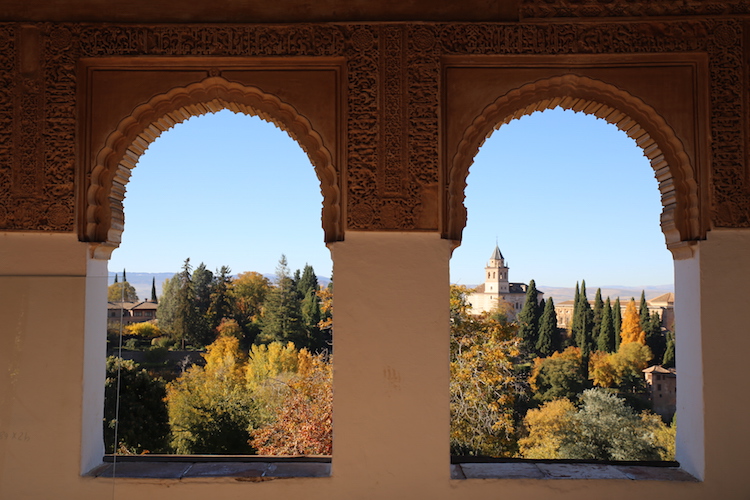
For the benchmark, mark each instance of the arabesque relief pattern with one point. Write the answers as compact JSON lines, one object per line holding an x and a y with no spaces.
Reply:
{"x":631,"y":8}
{"x":392,"y":159}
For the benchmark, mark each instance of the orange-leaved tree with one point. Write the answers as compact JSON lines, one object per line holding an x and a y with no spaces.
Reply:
{"x":631,"y":331}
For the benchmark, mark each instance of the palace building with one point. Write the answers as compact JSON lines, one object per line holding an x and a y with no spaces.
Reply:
{"x":497,"y":292}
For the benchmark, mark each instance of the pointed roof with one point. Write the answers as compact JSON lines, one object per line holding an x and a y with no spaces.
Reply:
{"x":496,"y":255}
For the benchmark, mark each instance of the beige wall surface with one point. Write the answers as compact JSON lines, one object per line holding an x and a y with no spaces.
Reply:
{"x":390,"y":383}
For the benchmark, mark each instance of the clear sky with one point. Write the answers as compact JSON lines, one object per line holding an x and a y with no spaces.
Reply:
{"x":566,"y":197}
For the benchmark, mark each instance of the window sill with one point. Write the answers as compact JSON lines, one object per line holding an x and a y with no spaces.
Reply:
{"x":475,"y":468}
{"x":239,"y":467}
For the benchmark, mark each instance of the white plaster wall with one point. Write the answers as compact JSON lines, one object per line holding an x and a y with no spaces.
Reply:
{"x":390,"y":385}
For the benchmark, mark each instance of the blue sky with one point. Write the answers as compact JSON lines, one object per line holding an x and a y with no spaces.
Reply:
{"x":566,"y":197}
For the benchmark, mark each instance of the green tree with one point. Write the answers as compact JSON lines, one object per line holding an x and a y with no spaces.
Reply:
{"x":166,"y":310}
{"x":528,"y":319}
{"x":617,"y":321}
{"x":597,"y":316}
{"x":220,"y":301}
{"x":669,"y":354}
{"x":282,"y":318}
{"x":643,"y":312}
{"x":605,"y":428}
{"x":655,"y":338}
{"x":153,"y":291}
{"x":307,"y":281}
{"x":121,"y":292}
{"x":583,"y":322}
{"x":143,"y":424}
{"x":549,"y":338}
{"x":606,"y":339}
{"x":186,"y":326}
{"x":558,"y":376}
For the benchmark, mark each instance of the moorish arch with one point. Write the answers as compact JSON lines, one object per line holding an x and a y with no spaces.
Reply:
{"x":680,"y":217}
{"x":103,"y":214}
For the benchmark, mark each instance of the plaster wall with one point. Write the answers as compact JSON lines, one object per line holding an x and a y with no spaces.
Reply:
{"x":390,"y":382}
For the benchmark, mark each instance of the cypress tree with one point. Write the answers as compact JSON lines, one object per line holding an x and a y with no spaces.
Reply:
{"x":655,"y":338}
{"x":606,"y":340}
{"x":549,"y":340}
{"x":153,"y":291}
{"x":644,"y":314}
{"x":583,"y":320}
{"x":617,"y":321}
{"x":528,"y":318}
{"x":597,"y":317}
{"x":124,"y":276}
{"x":115,"y":277}
{"x":669,"y":357}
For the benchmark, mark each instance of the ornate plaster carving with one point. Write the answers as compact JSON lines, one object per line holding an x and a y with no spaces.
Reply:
{"x":392,"y":164}
{"x":631,"y":8}
{"x":104,"y":216}
{"x":680,"y":216}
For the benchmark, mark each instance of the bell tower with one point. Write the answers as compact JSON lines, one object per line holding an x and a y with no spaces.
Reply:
{"x":496,"y":274}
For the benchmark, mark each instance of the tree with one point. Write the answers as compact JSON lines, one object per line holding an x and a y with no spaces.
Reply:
{"x":210,"y":410}
{"x":583,"y":321}
{"x":655,"y":338}
{"x":282,"y":318}
{"x":166,"y":310}
{"x":303,"y":424}
{"x":186,"y":325}
{"x":606,"y":338}
{"x":484,"y":385}
{"x":307,"y":281}
{"x":528,"y":318}
{"x":558,"y":376}
{"x":597,"y":316}
{"x":623,"y":369}
{"x":631,"y":331}
{"x":220,"y":302}
{"x":617,"y":320}
{"x":145,"y":329}
{"x":549,"y":338}
{"x":643,"y":312}
{"x":669,"y":354}
{"x":605,"y":428}
{"x":153,"y":291}
{"x":143,"y":423}
{"x":248,"y":292}
{"x":546,"y":427}
{"x":121,"y":292}
{"x":602,"y":428}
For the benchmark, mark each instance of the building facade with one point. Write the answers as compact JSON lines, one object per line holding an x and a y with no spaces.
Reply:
{"x":497,"y":292}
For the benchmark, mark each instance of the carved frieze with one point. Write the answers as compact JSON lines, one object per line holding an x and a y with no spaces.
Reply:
{"x":391,"y":170}
{"x":631,"y":8}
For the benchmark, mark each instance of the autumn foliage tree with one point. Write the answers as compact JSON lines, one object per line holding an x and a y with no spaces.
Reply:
{"x":558,"y":376}
{"x":630,"y":330}
{"x":483,"y":384}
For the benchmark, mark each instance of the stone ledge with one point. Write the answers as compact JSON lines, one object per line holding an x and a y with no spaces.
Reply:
{"x":184,"y":467}
{"x":548,"y":470}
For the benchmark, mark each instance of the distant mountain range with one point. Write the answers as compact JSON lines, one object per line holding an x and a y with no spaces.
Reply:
{"x":142,"y":281}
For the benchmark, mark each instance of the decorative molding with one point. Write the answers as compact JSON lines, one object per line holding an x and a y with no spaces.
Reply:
{"x":104,"y":216}
{"x":631,"y":8}
{"x":7,"y":122}
{"x":680,"y":216}
{"x":391,"y":171}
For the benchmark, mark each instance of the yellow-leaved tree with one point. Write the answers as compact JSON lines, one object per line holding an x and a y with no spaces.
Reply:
{"x":547,"y":426}
{"x":623,"y":369}
{"x":210,"y":409}
{"x":483,"y":383}
{"x":631,"y":331}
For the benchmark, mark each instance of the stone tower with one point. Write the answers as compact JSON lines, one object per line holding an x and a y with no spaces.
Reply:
{"x":496,"y":274}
